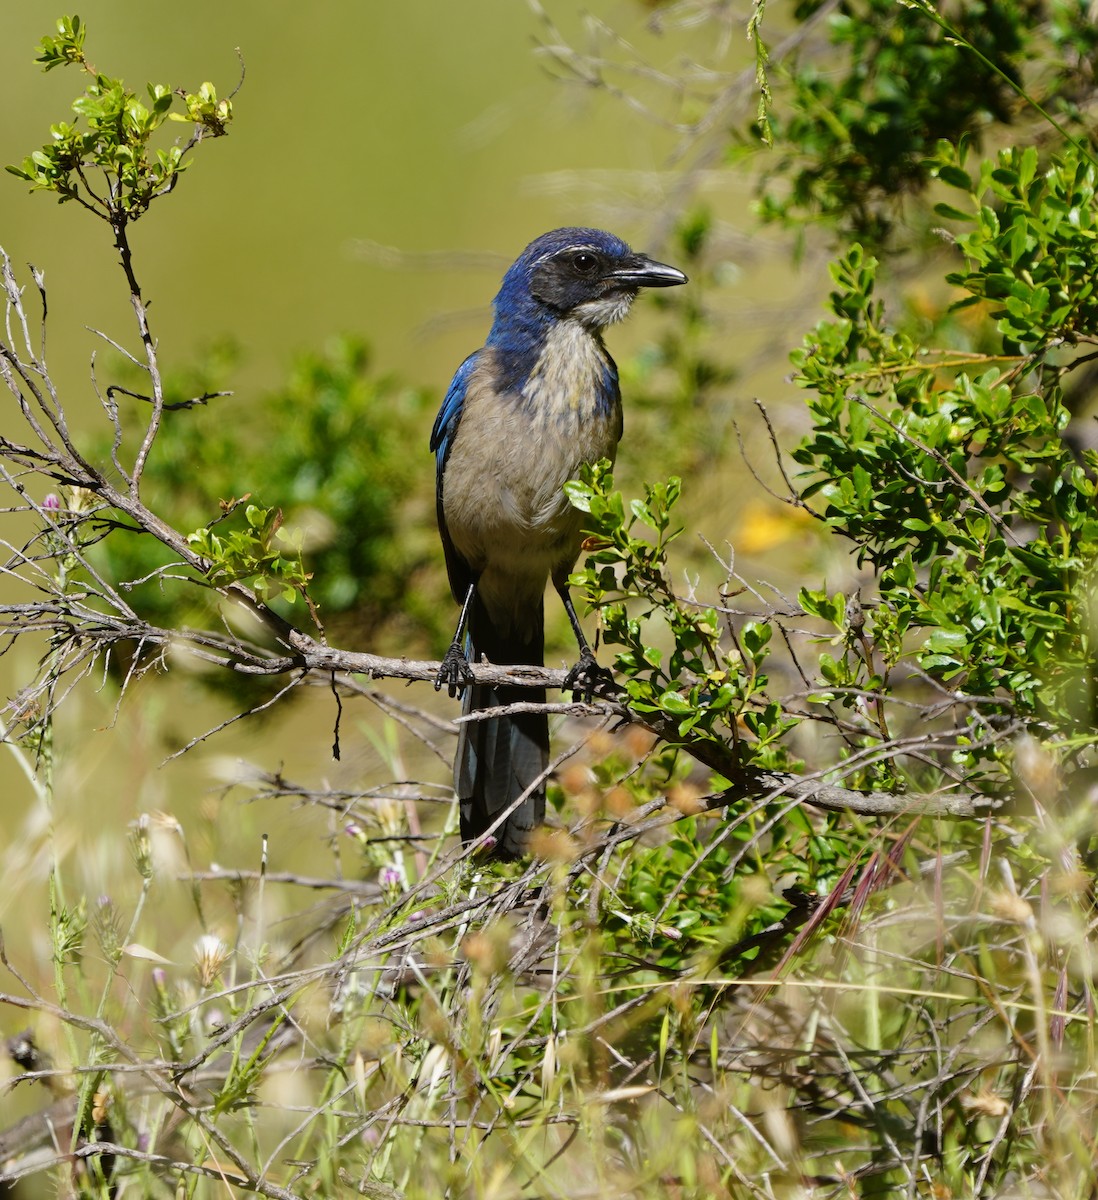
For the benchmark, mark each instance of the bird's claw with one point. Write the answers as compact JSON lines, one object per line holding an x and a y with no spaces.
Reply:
{"x":454,"y":671}
{"x":584,"y":679}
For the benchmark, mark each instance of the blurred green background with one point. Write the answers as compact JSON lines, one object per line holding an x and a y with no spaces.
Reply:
{"x":423,"y":126}
{"x":385,"y":163}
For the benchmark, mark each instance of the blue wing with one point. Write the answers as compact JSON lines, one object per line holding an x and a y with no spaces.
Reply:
{"x":442,"y":438}
{"x":446,"y":423}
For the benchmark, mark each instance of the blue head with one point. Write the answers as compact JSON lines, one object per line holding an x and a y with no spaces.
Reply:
{"x":575,"y":274}
{"x":581,"y":274}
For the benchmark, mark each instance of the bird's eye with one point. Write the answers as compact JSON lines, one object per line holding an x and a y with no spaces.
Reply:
{"x":584,"y":262}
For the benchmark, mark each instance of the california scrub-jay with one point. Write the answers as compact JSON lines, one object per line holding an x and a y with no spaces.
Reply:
{"x":521,"y":417}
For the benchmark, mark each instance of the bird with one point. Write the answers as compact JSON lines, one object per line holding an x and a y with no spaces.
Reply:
{"x":521,"y":417}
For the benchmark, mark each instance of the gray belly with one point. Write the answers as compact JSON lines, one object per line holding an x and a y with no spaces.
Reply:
{"x":504,"y":502}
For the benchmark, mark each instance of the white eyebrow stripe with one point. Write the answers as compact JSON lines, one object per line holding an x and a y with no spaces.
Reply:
{"x":574,"y":246}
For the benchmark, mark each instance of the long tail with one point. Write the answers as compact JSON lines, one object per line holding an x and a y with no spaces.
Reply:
{"x":500,"y":758}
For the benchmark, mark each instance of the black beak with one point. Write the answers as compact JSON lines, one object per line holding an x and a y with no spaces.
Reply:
{"x":638,"y":270}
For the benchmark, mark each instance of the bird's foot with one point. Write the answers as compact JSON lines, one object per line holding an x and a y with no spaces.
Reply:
{"x":454,"y":671}
{"x":586,"y":677}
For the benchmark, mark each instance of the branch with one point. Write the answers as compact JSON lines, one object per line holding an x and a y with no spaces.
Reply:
{"x":813,"y":790}
{"x":308,"y":656}
{"x":93,"y":620}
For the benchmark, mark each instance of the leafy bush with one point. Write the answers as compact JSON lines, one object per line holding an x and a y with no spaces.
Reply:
{"x":858,"y":125}
{"x":339,"y":470}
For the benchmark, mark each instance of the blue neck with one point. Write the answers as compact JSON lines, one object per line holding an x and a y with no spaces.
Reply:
{"x":518,"y":336}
